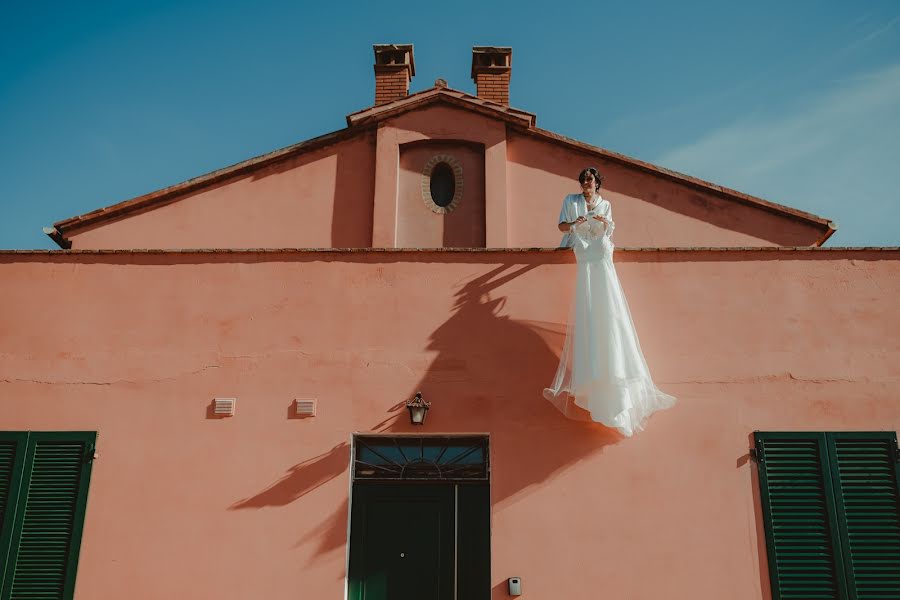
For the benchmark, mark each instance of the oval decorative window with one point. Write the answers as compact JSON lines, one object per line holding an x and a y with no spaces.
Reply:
{"x":442,"y":183}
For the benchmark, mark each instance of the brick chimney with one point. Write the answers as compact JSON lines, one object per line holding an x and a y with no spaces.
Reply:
{"x":394,"y":68}
{"x":491,"y":67}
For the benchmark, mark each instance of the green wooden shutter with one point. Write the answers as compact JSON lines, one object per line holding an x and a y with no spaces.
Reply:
{"x":46,"y":535}
{"x":12,"y":458}
{"x":800,"y":520}
{"x":865,"y":472}
{"x":12,"y":454}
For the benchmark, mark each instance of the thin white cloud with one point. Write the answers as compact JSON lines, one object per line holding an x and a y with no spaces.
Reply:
{"x":882,"y":30}
{"x":838,"y":157}
{"x":871,"y":36}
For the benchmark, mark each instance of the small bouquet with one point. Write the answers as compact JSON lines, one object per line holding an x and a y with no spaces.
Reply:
{"x":592,"y":229}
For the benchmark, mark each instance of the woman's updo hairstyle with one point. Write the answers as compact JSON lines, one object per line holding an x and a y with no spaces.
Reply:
{"x":598,"y":178}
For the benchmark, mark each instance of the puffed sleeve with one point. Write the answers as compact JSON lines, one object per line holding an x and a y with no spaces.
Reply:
{"x":565,"y":211}
{"x":607,"y":213}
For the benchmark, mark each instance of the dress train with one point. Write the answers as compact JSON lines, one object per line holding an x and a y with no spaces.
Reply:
{"x":602,"y":367}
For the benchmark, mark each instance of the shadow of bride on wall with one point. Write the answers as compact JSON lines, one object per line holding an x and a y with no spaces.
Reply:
{"x":487,"y":376}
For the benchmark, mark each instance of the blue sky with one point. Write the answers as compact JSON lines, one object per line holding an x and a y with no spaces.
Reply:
{"x":797,"y":102}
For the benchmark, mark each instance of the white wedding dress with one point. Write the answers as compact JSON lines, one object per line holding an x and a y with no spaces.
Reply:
{"x":602,"y":368}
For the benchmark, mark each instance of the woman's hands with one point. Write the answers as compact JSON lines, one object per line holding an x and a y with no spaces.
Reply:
{"x":584,"y":218}
{"x":574,"y":223}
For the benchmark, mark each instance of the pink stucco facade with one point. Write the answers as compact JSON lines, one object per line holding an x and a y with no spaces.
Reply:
{"x":135,"y":345}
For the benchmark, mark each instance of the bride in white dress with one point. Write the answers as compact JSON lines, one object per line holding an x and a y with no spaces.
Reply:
{"x":601,"y":367}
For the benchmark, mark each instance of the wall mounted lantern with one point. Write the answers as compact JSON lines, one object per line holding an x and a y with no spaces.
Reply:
{"x":418,"y":406}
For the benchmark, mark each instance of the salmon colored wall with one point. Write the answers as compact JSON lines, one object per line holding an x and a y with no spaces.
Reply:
{"x":320,"y":199}
{"x":649,"y":210}
{"x":418,"y":226}
{"x":181,"y":505}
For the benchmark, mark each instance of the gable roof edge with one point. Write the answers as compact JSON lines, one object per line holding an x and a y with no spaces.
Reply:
{"x":368,"y":119}
{"x":828,"y":226}
{"x":171,"y":193}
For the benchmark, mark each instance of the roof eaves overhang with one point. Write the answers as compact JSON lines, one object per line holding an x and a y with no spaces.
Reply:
{"x":54,"y":234}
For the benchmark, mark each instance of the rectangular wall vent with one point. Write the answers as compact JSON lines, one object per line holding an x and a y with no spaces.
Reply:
{"x":224,"y":407}
{"x":304,"y":407}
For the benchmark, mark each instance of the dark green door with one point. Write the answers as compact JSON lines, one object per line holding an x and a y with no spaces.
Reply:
{"x":402,"y":542}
